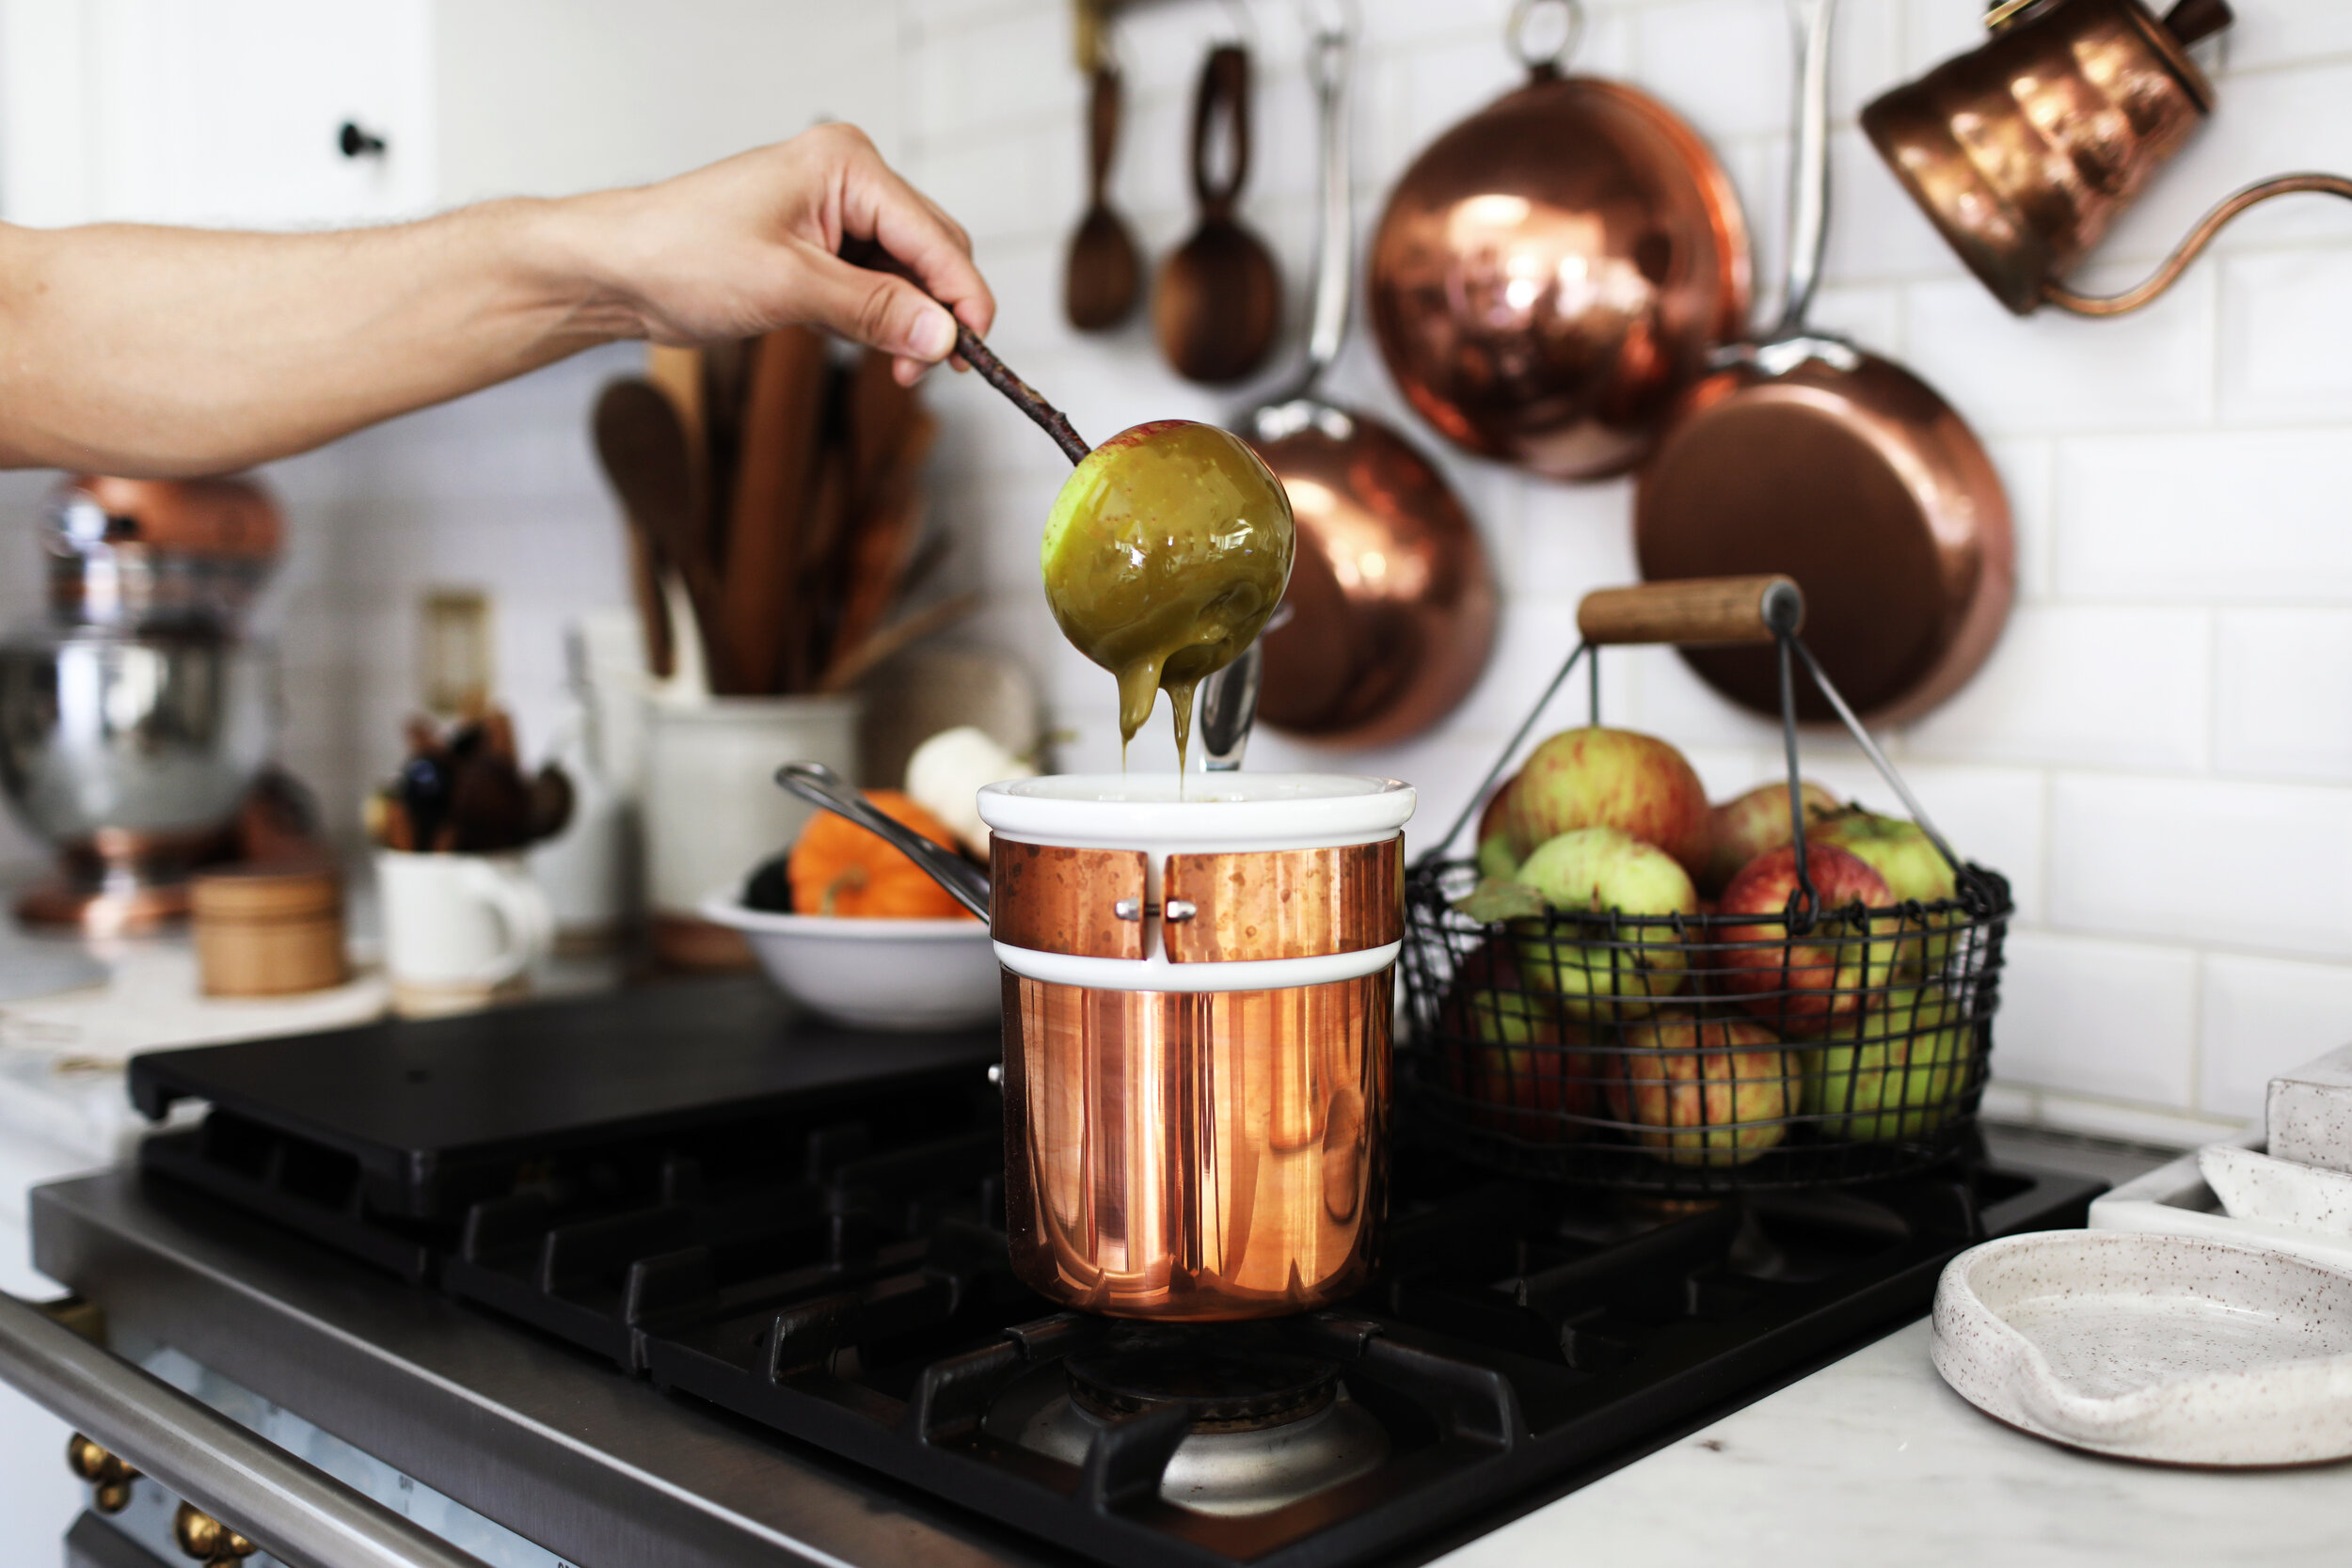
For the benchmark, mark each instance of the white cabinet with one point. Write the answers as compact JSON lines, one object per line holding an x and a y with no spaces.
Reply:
{"x":233,"y":111}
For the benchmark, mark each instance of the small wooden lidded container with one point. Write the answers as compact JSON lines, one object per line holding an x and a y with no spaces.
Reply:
{"x":269,"y":930}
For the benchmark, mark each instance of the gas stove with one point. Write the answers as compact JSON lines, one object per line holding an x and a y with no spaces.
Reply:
{"x":750,"y":1294}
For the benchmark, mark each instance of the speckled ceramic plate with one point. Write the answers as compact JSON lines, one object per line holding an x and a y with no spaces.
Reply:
{"x":2171,"y":1348}
{"x":2254,"y":1186}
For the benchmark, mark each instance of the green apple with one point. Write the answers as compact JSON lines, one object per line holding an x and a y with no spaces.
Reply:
{"x":1900,"y":1075}
{"x":1899,"y":850}
{"x":1743,"y":829}
{"x":1496,"y":859}
{"x":1704,"y":1091}
{"x":1601,"y":777}
{"x":1602,"y":871}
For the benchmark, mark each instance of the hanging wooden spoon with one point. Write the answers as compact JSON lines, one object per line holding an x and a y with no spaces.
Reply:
{"x":1218,"y":297}
{"x":1104,"y":274}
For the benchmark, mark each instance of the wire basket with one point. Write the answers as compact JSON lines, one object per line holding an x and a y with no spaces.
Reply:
{"x":1692,"y":1055}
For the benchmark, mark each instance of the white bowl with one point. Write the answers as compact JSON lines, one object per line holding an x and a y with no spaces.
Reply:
{"x":903,"y":975}
{"x":2175,"y":1349}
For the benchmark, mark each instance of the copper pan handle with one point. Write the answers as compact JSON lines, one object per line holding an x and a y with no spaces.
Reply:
{"x":1694,"y":611}
{"x":2193,"y":246}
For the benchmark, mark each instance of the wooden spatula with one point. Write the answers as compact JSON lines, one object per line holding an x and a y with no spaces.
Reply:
{"x":783,"y":425}
{"x":643,"y":446}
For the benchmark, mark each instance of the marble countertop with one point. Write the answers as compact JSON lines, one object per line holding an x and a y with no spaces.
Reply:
{"x":1874,"y":1461}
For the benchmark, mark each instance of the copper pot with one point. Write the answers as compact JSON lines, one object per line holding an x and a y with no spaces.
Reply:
{"x":2024,"y":151}
{"x":1393,"y":601}
{"x":1197,"y":984}
{"x":1552,"y":274}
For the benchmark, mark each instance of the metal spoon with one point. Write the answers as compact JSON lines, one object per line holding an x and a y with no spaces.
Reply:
{"x":820,"y":786}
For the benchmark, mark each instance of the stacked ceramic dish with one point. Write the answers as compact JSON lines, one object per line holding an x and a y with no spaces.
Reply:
{"x":2205,"y":1319}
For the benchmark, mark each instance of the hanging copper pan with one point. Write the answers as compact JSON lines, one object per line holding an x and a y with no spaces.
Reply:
{"x":1848,"y":473}
{"x":1393,"y":601}
{"x":1552,"y":274}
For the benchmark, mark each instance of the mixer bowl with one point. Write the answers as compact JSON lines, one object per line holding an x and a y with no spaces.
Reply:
{"x":150,"y":735}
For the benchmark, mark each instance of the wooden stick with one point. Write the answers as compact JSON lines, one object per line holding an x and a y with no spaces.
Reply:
{"x":1049,"y":418}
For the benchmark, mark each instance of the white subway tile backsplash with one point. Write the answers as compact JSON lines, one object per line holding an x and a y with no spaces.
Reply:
{"x":2250,"y":866}
{"x":1726,"y":66}
{"x":1875,"y":229}
{"x":1447,"y":82}
{"x":1574,"y":538}
{"x":2283,"y":694}
{"x":2285,"y":338}
{"x":2099,"y":686}
{"x":2049,"y":374}
{"x":1670,"y":700}
{"x":2264,"y":37}
{"x":2029,"y":470}
{"x":996,"y":70}
{"x":2117,"y":1020}
{"x":2205,"y":516}
{"x":2261,"y":1017}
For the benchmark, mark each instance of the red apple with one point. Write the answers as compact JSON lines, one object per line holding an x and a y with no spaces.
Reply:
{"x":1704,"y":1091}
{"x":1741,"y":830}
{"x":1600,"y":777}
{"x":1509,"y":1051}
{"x":1801,"y":983}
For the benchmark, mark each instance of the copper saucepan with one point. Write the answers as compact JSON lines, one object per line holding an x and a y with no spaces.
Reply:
{"x":1551,"y":274}
{"x":1393,"y":601}
{"x":1197,"y":984}
{"x":1809,"y":457}
{"x":2024,"y":150}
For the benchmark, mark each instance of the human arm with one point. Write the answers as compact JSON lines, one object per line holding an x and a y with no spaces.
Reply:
{"x":171,"y":351}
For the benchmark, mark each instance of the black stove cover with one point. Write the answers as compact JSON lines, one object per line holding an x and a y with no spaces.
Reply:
{"x":434,"y":1113}
{"x":834,"y":1267}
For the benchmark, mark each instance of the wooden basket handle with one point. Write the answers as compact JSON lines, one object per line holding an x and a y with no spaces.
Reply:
{"x":1694,"y":611}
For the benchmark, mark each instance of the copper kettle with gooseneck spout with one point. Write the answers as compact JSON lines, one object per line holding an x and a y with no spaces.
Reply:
{"x":2025,"y":149}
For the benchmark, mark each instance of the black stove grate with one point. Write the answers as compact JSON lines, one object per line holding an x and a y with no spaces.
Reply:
{"x":843,"y":1279}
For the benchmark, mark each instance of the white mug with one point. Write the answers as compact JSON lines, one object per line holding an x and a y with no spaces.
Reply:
{"x":459,"y":929}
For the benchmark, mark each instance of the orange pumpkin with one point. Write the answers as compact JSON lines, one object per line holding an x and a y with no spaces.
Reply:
{"x":839,"y":868}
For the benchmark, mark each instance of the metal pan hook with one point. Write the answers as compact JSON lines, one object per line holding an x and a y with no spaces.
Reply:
{"x":1521,"y":32}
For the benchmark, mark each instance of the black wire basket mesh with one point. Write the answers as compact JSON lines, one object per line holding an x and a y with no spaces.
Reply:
{"x":1697,"y":1053}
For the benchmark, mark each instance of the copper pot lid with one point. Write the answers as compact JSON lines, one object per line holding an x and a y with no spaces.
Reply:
{"x":1551,"y":274}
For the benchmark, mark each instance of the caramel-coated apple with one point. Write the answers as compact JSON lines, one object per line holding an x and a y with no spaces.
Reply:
{"x":1167,"y":552}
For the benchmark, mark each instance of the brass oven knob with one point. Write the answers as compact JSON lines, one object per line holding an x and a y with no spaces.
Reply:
{"x":109,"y":1475}
{"x":206,"y":1538}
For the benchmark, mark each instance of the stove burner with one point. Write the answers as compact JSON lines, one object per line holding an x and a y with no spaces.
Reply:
{"x":1233,"y":1377}
{"x":1270,"y":1424}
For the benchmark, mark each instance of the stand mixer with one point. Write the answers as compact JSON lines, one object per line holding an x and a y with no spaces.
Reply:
{"x":137,"y":720}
